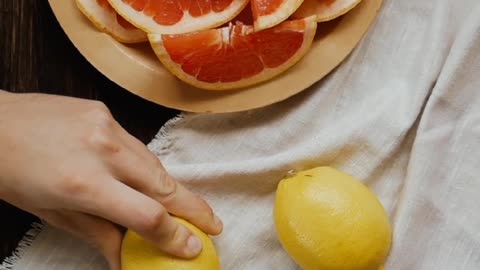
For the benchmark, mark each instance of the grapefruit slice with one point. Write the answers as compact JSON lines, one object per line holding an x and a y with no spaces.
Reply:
{"x":104,"y":17}
{"x":325,"y":10}
{"x":244,"y":17}
{"x":268,"y":13}
{"x":178,"y":16}
{"x":235,"y":56}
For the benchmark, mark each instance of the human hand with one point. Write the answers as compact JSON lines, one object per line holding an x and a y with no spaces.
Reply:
{"x":69,"y":162}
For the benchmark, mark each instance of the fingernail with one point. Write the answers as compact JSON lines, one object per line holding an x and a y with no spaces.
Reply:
{"x":218,"y":222}
{"x":194,"y":245}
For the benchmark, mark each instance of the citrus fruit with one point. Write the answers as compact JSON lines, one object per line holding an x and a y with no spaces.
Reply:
{"x":107,"y":20}
{"x":327,"y":220}
{"x":234,"y":56}
{"x":325,"y":10}
{"x":138,"y":254}
{"x":268,"y":13}
{"x":244,"y":17}
{"x":178,"y":16}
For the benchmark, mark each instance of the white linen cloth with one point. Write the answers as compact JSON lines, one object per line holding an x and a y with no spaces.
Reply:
{"x":402,"y":114}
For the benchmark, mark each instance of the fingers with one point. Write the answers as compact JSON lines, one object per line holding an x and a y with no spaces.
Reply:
{"x":142,"y":170}
{"x":190,"y":206}
{"x":99,"y":233}
{"x":129,"y":208}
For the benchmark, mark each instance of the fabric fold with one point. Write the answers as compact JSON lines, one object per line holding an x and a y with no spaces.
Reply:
{"x":401,"y":113}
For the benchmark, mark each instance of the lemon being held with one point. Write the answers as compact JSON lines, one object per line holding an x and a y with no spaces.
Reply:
{"x":138,"y":254}
{"x":328,"y":220}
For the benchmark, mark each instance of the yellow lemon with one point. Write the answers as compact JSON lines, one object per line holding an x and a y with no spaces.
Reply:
{"x":327,"y":220}
{"x":138,"y":254}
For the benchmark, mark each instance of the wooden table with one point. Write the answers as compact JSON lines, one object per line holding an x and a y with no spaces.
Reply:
{"x":36,"y":56}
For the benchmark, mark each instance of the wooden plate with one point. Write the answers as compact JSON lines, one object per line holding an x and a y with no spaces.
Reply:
{"x":136,"y":68}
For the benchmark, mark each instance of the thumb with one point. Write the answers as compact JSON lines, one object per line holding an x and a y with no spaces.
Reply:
{"x":98,"y":233}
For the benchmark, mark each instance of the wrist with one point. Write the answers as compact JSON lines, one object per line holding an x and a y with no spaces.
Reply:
{"x":8,"y":98}
{"x":5,"y":94}
{"x":5,"y":97}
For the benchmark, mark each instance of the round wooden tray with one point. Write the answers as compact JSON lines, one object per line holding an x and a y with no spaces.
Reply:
{"x":136,"y":68}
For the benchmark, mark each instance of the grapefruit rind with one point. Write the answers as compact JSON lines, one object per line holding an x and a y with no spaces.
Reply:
{"x":338,"y":8}
{"x":282,"y":13}
{"x":106,"y":22}
{"x":156,"y":42}
{"x":187,"y":24}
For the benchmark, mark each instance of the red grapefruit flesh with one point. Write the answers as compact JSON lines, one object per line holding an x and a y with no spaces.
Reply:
{"x":268,"y":13}
{"x":234,"y":56}
{"x":325,"y":10}
{"x":106,"y":19}
{"x":178,"y":16}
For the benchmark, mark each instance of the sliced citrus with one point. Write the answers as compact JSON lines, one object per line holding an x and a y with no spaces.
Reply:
{"x":325,"y":10}
{"x":268,"y":13}
{"x":234,"y":56}
{"x":178,"y":16}
{"x":244,"y":17}
{"x":107,"y":20}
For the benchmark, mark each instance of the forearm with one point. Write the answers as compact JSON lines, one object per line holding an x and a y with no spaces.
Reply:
{"x":4,"y":95}
{"x":7,"y":126}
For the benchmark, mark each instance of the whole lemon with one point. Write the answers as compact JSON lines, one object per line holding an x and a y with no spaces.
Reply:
{"x":328,"y":220}
{"x":138,"y":254}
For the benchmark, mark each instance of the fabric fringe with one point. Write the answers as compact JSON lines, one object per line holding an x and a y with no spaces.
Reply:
{"x":27,"y":240}
{"x":161,"y":142}
{"x":36,"y":227}
{"x":165,"y":129}
{"x":29,"y":237}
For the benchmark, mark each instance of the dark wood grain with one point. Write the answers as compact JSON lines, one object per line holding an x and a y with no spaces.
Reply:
{"x":36,"y":56}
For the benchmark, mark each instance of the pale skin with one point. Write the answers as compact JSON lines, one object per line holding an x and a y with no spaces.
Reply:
{"x":69,"y":162}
